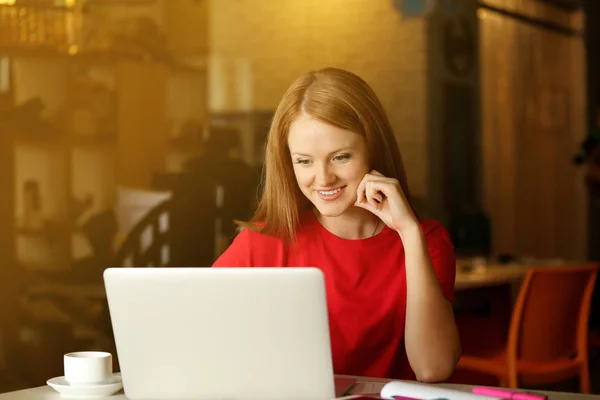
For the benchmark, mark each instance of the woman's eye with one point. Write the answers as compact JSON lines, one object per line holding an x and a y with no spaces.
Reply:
{"x":341,"y":157}
{"x":302,"y":161}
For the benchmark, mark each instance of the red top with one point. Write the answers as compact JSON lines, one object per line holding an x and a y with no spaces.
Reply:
{"x":365,"y":282}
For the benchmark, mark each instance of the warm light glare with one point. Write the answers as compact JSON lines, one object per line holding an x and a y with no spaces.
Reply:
{"x":7,"y":2}
{"x":4,"y":75}
{"x":70,"y":3}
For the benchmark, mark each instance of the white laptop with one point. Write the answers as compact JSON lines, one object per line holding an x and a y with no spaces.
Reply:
{"x":221,"y":333}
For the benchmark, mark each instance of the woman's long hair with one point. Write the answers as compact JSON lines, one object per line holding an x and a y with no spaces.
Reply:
{"x":335,"y":97}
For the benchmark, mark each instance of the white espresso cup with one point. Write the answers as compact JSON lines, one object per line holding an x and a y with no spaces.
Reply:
{"x":88,"y":367}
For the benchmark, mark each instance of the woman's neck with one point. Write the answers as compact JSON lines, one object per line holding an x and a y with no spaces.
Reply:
{"x":354,"y":224}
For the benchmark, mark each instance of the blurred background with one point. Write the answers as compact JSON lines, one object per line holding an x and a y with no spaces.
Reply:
{"x":132,"y":134}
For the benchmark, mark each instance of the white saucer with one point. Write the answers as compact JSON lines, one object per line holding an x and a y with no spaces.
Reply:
{"x":91,"y":391}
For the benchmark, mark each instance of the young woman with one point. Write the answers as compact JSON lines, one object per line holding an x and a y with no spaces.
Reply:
{"x":335,"y":197}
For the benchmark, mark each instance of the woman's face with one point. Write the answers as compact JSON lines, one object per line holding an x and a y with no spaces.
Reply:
{"x":329,"y":163}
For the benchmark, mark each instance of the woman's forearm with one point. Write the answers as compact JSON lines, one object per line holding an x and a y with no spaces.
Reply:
{"x":431,"y":337}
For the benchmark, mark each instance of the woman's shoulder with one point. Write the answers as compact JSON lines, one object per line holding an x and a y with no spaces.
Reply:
{"x":253,"y":234}
{"x":439,"y":243}
{"x":434,"y":230}
{"x":254,"y":237}
{"x":250,"y":248}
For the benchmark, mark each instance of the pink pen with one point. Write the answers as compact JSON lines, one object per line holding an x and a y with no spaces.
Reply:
{"x":528,"y":396}
{"x":506,"y":394}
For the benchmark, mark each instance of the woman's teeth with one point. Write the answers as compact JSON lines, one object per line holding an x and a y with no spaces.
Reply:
{"x":330,"y":192}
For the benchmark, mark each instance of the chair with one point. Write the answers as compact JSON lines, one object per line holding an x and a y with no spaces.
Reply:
{"x":548,"y":332}
{"x":146,"y":243}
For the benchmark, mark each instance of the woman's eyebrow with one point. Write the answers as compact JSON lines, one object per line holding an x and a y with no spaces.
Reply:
{"x":333,"y":152}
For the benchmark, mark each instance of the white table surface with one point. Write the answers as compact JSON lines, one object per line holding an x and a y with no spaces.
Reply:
{"x":371,"y":385}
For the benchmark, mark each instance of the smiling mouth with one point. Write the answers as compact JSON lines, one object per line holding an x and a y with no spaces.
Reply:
{"x":329,"y":192}
{"x":330,"y":195}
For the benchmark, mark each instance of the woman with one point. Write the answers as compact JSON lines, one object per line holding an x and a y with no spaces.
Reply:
{"x":335,"y":197}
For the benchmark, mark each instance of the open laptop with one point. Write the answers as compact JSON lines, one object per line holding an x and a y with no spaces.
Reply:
{"x":221,"y":333}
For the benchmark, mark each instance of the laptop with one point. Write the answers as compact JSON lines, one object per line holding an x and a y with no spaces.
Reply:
{"x":221,"y":333}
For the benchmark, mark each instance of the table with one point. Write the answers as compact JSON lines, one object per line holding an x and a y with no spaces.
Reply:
{"x":371,"y":385}
{"x":469,"y":276}
{"x":377,"y":384}
{"x":490,"y":275}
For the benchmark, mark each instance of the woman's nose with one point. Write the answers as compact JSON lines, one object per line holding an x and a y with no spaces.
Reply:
{"x":325,"y":175}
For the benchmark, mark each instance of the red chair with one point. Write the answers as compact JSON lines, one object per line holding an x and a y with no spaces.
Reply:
{"x":548,"y":333}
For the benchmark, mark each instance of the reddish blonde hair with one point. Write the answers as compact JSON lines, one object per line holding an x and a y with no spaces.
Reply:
{"x":332,"y":96}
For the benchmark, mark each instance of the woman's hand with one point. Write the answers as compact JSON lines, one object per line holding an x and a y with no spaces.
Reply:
{"x":384,"y":197}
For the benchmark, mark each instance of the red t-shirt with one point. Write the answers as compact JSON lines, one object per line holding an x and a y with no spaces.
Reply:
{"x":365,"y":281}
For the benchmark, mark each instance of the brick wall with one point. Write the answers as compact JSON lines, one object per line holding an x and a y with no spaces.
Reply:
{"x":258,"y":47}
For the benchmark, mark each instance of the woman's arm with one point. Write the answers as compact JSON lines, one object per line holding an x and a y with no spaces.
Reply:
{"x":431,"y":337}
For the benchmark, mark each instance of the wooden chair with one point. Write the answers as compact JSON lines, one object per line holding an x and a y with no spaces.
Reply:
{"x":146,"y":243}
{"x":548,"y":332}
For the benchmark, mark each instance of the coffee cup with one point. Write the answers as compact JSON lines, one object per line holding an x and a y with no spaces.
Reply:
{"x":88,"y":367}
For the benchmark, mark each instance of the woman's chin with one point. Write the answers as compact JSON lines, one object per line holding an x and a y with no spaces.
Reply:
{"x":335,"y":209}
